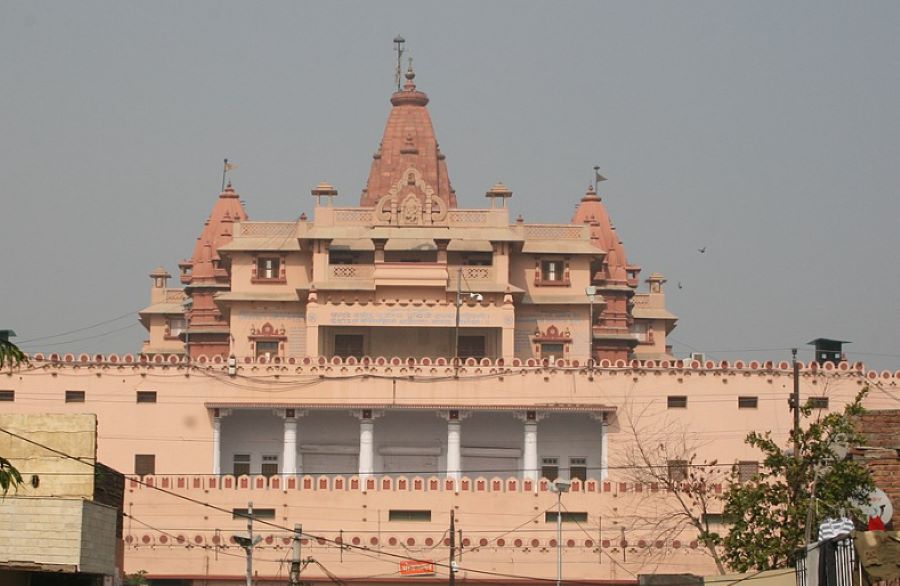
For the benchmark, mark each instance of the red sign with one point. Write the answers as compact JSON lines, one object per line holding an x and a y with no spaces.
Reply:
{"x":416,"y":568}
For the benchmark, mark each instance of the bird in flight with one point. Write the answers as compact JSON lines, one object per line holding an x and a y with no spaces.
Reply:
{"x":701,"y":250}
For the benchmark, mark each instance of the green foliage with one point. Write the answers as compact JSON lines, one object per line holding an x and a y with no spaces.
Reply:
{"x":11,"y":355}
{"x":138,"y":578}
{"x":9,"y":476}
{"x":767,"y":516}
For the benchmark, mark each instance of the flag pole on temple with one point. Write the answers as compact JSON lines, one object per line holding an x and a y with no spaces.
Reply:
{"x":225,"y":169}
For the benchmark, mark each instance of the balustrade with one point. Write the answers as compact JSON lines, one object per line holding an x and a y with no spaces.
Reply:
{"x":351,"y":271}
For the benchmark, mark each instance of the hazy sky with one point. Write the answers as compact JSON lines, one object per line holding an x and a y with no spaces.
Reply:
{"x":767,"y":132}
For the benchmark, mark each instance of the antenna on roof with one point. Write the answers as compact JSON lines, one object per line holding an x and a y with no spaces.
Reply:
{"x":398,"y":76}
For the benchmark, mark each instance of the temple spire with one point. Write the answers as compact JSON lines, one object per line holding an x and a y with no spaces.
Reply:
{"x":409,"y":158}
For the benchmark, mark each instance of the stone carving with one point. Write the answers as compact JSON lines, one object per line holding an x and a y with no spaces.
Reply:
{"x":411,"y":210}
{"x":416,"y":208}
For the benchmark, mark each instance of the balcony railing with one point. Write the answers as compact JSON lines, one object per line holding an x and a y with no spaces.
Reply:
{"x":339,"y":272}
{"x":478,"y":274}
{"x":834,"y":565}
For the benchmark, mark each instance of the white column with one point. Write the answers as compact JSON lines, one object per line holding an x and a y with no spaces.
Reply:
{"x":530,"y":453}
{"x":217,"y":445}
{"x":454,"y":457}
{"x":366,"y":448}
{"x":289,"y":456}
{"x":604,"y":449}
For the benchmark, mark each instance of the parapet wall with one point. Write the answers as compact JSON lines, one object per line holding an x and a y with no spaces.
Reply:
{"x":442,"y":366}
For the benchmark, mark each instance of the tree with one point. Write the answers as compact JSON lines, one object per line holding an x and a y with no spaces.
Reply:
{"x":662,"y":452}
{"x":12,"y":356}
{"x":138,"y":578}
{"x":767,"y":515}
{"x":9,"y":476}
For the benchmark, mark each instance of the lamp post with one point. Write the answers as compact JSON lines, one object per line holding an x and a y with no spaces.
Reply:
{"x":559,"y":486}
{"x":591,"y":293}
{"x":472,"y":296}
{"x":187,"y":304}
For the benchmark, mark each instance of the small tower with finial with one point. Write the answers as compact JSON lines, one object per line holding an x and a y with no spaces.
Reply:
{"x":501,"y":192}
{"x":324,"y":189}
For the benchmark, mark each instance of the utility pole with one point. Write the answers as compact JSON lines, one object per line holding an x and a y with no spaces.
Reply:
{"x":295,"y":559}
{"x":795,"y":404}
{"x":456,"y":328}
{"x":250,"y":547}
{"x":452,"y":547}
{"x":248,"y":543}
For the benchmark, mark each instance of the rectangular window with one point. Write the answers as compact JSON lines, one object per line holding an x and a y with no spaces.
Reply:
{"x":552,"y":270}
{"x":747,"y":470}
{"x":74,"y":396}
{"x":267,"y":350}
{"x":553,"y":351}
{"x":676,"y":402}
{"x":269,"y":466}
{"x":409,"y":515}
{"x":478,"y":259}
{"x":567,"y":517}
{"x":241,"y":465}
{"x":7,"y":395}
{"x":578,"y":468}
{"x":818,"y":402}
{"x":347,"y":345}
{"x":146,"y":396}
{"x":713,"y":518}
{"x":748,"y":402}
{"x":410,"y":256}
{"x":471,"y":347}
{"x":257,"y":513}
{"x":550,"y":468}
{"x":341,"y":257}
{"x":678,"y":470}
{"x":268,"y":269}
{"x":144,"y":464}
{"x":176,"y":326}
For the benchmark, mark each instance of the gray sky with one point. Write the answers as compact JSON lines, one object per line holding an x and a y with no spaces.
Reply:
{"x":767,"y":132}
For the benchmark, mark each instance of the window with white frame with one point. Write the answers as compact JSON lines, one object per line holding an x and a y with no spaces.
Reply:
{"x":268,"y":268}
{"x":552,"y":270}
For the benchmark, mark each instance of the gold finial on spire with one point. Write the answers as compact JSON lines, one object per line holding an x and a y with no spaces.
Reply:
{"x":410,"y":76}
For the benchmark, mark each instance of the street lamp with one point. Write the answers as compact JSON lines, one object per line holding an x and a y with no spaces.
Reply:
{"x":187,"y":305}
{"x":559,"y":487}
{"x":591,"y":293}
{"x":477,"y":297}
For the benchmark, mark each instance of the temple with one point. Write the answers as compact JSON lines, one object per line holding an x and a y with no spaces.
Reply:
{"x":409,"y":273}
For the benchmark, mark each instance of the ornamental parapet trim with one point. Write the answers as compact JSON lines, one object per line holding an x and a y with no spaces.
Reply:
{"x":442,"y":366}
{"x":385,"y":483}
